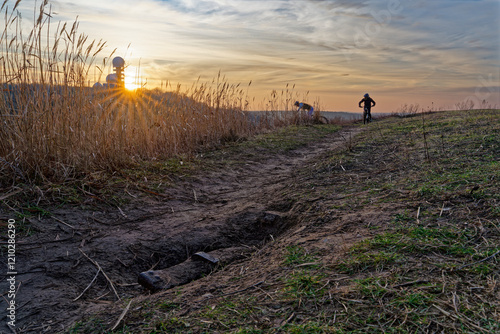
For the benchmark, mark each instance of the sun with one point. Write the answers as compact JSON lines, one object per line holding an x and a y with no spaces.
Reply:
{"x":132,"y":78}
{"x":131,"y":86}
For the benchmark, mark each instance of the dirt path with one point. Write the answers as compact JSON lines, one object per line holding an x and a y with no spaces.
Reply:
{"x":58,"y":266}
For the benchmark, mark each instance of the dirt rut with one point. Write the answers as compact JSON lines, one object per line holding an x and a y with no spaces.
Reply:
{"x":81,"y":262}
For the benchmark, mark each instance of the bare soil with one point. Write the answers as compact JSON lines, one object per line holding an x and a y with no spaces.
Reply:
{"x":65,"y":269}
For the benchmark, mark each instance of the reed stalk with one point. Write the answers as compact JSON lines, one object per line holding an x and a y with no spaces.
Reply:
{"x":56,"y":127}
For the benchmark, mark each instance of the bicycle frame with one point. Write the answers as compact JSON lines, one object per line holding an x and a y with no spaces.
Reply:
{"x":367,"y":116}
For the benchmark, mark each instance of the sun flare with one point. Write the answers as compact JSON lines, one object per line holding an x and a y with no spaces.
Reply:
{"x":132,"y":78}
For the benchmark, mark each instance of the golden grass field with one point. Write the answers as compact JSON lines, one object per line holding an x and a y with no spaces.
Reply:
{"x":55,"y":126}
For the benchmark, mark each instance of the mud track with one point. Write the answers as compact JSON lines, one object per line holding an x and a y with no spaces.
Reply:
{"x":233,"y":209}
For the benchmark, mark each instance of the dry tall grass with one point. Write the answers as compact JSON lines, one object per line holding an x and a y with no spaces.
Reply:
{"x":55,"y":127}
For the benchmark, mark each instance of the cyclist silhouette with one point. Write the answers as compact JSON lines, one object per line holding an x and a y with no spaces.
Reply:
{"x":305,"y":107}
{"x":368,"y":104}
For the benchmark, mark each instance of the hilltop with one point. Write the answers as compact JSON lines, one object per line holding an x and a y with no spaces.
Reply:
{"x":390,"y":227}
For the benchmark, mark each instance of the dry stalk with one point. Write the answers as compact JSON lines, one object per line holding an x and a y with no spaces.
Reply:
{"x":122,"y":315}
{"x":100,"y":269}
{"x":88,"y":286}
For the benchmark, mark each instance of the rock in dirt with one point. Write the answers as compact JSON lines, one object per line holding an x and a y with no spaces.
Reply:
{"x":193,"y":268}
{"x":206,"y":257}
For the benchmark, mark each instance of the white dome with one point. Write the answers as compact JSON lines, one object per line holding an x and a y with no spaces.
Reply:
{"x":111,"y":78}
{"x":118,"y":62}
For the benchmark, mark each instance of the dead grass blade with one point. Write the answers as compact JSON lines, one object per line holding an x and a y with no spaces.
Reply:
{"x":104,"y":273}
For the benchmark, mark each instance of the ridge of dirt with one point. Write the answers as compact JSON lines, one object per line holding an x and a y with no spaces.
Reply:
{"x":220,"y":208}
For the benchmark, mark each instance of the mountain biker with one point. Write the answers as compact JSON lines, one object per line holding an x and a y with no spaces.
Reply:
{"x":368,"y":104}
{"x":305,"y":107}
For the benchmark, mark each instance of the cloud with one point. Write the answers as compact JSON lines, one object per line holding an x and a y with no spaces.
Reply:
{"x":385,"y":45}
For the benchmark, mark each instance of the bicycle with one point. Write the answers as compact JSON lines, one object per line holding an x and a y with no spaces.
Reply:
{"x":367,"y":115}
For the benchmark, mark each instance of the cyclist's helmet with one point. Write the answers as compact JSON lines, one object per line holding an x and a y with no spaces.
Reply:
{"x":367,"y":95}
{"x":296,"y":103}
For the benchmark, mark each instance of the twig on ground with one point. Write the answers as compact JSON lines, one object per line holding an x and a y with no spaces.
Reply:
{"x":307,"y":264}
{"x":12,"y":193}
{"x":60,"y":221}
{"x":88,"y":286}
{"x":288,"y":320}
{"x":454,"y":316}
{"x":419,"y":281}
{"x":485,"y":259}
{"x":100,"y":268}
{"x":121,"y":212}
{"x":122,"y":315}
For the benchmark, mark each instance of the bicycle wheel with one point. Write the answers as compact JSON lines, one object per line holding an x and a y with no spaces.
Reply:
{"x":323,"y":120}
{"x":365,"y":116}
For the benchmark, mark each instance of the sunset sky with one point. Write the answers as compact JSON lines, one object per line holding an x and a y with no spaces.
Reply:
{"x":418,"y":51}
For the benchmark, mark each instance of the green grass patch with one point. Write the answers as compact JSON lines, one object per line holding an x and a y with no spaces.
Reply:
{"x":297,"y":255}
{"x":304,"y":284}
{"x":279,"y":141}
{"x":311,"y":327}
{"x":368,"y":261}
